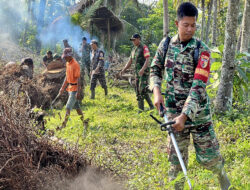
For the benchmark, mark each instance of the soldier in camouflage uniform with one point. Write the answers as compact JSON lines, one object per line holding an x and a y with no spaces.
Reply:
{"x":47,"y":58}
{"x":186,"y":100}
{"x":85,"y":49}
{"x":140,"y":58}
{"x":97,"y":69}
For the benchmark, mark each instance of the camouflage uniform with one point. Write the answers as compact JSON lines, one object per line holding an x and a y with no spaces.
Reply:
{"x":186,"y":93}
{"x":47,"y":60}
{"x":97,"y":59}
{"x":85,"y":59}
{"x":138,"y":56}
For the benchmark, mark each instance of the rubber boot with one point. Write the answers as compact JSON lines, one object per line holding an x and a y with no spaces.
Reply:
{"x":223,"y":180}
{"x":106,"y":91}
{"x":92,"y":94}
{"x":141,"y":105}
{"x":148,"y":99}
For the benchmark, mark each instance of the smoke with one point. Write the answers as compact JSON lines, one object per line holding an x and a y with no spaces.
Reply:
{"x":94,"y":181}
{"x":54,"y":26}
{"x":12,"y":17}
{"x":90,"y":179}
{"x":62,"y":28}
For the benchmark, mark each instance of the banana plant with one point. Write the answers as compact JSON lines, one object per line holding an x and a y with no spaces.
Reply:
{"x":241,"y":76}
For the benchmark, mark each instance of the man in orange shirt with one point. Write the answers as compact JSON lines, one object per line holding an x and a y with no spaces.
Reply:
{"x":72,"y":82}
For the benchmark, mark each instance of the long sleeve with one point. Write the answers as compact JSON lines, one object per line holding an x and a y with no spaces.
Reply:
{"x":197,"y":98}
{"x":157,"y":67}
{"x":101,"y":60}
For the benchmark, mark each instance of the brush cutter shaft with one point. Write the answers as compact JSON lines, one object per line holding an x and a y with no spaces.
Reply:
{"x":178,"y":152}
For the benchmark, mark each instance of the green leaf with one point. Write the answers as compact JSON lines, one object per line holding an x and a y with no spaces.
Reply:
{"x":242,"y":74}
{"x":221,"y":48}
{"x":240,"y":55}
{"x":216,"y":66}
{"x":246,"y":54}
{"x":216,"y":55}
{"x":245,"y":64}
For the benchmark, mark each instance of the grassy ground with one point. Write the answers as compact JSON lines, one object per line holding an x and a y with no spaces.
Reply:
{"x":133,"y":147}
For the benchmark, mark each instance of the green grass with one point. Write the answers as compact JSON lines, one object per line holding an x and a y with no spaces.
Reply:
{"x":132,"y":146}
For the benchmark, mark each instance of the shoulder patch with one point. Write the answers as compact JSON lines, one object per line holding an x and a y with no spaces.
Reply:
{"x":146,"y":51}
{"x":203,"y":68}
{"x":101,"y":55}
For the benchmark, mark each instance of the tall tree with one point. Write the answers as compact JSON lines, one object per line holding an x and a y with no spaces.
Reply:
{"x":40,"y":23}
{"x":165,"y":18}
{"x":203,"y":19}
{"x":224,"y":95}
{"x":28,"y":2}
{"x":245,"y":27}
{"x":209,"y":7}
{"x":239,"y":39}
{"x":214,"y":35}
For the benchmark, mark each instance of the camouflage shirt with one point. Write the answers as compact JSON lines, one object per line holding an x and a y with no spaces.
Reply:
{"x":139,"y":54}
{"x":185,"y":84}
{"x":47,"y":60}
{"x":86,"y":51}
{"x":97,"y":59}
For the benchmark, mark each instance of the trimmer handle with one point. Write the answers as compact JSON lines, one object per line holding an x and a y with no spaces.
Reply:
{"x":162,"y":111}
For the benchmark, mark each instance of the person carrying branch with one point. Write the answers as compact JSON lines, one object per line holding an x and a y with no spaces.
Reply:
{"x":186,"y":62}
{"x":73,"y":83}
{"x":47,"y":58}
{"x":97,"y":69}
{"x":140,"y":58}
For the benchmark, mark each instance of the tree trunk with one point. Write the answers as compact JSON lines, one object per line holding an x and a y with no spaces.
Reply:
{"x":26,"y":23}
{"x":209,"y":6}
{"x":32,"y":11}
{"x":214,"y":35}
{"x":245,"y":28}
{"x":225,"y":91}
{"x":239,"y":39}
{"x":203,"y":19}
{"x":165,"y":17}
{"x":40,"y":23}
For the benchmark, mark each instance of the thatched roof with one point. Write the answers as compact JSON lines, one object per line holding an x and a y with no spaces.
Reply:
{"x":94,"y":12}
{"x":80,"y":6}
{"x":104,"y":17}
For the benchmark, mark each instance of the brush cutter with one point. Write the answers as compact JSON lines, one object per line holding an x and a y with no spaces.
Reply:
{"x":167,"y":127}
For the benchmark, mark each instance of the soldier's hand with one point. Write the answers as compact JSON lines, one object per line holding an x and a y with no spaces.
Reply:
{"x":141,"y":72}
{"x":158,"y":99}
{"x":179,"y":122}
{"x":96,"y":71}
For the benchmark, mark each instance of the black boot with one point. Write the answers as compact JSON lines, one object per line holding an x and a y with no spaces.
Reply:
{"x":148,"y":99}
{"x":223,"y":180}
{"x":92,"y":94}
{"x":106,"y":91}
{"x":141,"y":105}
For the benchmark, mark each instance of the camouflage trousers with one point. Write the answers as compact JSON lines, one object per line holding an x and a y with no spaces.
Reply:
{"x":141,"y":84}
{"x":85,"y":67}
{"x":101,"y":78}
{"x":206,"y":148}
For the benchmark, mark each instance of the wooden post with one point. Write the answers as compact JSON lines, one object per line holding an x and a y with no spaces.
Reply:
{"x":109,"y":35}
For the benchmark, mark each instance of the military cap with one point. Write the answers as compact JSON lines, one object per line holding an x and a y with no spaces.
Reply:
{"x":135,"y":36}
{"x":94,"y":42}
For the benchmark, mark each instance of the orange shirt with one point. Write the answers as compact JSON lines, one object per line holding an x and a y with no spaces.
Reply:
{"x":72,"y":75}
